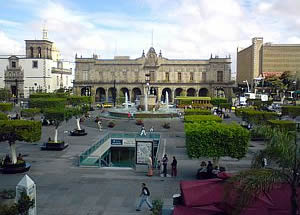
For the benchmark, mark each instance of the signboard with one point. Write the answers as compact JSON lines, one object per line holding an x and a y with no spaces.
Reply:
{"x":243,"y":100}
{"x":143,"y":151}
{"x":116,"y":142}
{"x":264,"y":98}
{"x":252,"y":95}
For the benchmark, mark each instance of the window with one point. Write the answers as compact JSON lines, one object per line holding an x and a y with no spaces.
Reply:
{"x":191,"y":76}
{"x":85,"y":75}
{"x":151,"y":75}
{"x":167,"y":76}
{"x":13,"y":64}
{"x":57,"y":80}
{"x":203,"y":76}
{"x":31,"y":52}
{"x":179,"y":76}
{"x":220,"y":76}
{"x":39,"y":52}
{"x":34,"y":64}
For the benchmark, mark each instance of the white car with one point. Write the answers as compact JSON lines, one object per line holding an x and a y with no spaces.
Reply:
{"x":129,"y":104}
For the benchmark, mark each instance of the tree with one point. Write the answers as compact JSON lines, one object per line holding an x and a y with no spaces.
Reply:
{"x":21,"y":130}
{"x":5,"y":94}
{"x":57,"y":116}
{"x":5,"y":107}
{"x":81,"y":106}
{"x":283,"y":152}
{"x":24,"y":204}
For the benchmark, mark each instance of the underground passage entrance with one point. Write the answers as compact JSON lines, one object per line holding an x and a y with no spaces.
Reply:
{"x":119,"y":157}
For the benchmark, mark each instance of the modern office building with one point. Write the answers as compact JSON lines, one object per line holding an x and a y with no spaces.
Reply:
{"x":98,"y":77}
{"x":41,"y":69}
{"x":266,"y":59}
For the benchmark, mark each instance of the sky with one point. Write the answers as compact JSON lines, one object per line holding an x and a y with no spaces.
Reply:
{"x":181,"y":29}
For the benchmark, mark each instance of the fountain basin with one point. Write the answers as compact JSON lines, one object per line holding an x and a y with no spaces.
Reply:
{"x":161,"y":113}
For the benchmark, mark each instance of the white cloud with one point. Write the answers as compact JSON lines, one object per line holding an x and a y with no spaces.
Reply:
{"x":9,"y":46}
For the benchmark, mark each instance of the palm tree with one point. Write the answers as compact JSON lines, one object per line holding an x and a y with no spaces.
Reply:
{"x":282,"y":153}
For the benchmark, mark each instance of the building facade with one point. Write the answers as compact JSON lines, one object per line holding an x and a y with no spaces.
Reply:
{"x":98,"y":77}
{"x":40,"y":70}
{"x":266,"y":59}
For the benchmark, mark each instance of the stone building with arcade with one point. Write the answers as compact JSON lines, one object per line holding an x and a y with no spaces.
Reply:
{"x":179,"y":77}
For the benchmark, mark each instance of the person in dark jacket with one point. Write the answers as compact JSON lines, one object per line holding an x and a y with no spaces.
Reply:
{"x":145,"y":194}
{"x":174,"y":167}
{"x":209,"y":169}
{"x":165,"y":164}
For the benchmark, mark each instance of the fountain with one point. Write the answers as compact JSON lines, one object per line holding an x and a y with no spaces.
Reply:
{"x":167,"y":100}
{"x":126,"y":100}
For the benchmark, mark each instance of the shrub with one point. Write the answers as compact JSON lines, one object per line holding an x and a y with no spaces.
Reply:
{"x":218,"y":101}
{"x":111,"y":124}
{"x":166,"y":125}
{"x":157,"y":207}
{"x":292,"y":111}
{"x":225,"y":105}
{"x":139,"y":122}
{"x":260,"y":132}
{"x":47,"y":103}
{"x":197,"y":112}
{"x":3,"y":116}
{"x":202,"y":118}
{"x":30,"y":112}
{"x":255,"y":116}
{"x":216,"y":140}
{"x":6,"y":107}
{"x":78,"y":100}
{"x":283,"y":124}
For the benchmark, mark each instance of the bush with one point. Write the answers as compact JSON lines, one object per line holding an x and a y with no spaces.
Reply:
{"x":225,"y":105}
{"x":111,"y":124}
{"x":30,"y":112}
{"x":260,"y":132}
{"x":255,"y":116}
{"x":3,"y":116}
{"x":217,"y":101}
{"x":202,"y":118}
{"x":216,"y":140}
{"x":4,"y":107}
{"x":139,"y":122}
{"x":78,"y":100}
{"x":283,"y":124}
{"x":197,"y":112}
{"x":157,"y":207}
{"x":166,"y":125}
{"x":292,"y":111}
{"x":47,"y":103}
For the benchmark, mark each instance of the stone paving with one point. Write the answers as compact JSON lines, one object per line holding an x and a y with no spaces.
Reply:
{"x":64,"y":188}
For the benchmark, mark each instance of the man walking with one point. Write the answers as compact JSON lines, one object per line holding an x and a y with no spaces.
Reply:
{"x":145,"y":194}
{"x":165,"y":163}
{"x":174,"y":167}
{"x":143,"y":131}
{"x":99,"y":125}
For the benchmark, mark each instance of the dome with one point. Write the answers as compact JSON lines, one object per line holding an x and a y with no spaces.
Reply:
{"x":151,"y":50}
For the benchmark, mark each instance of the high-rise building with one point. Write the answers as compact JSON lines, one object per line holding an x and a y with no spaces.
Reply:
{"x":266,"y":59}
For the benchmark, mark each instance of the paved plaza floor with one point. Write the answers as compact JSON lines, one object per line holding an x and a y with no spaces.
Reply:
{"x":64,"y":188}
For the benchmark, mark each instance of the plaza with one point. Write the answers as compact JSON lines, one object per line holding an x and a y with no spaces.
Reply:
{"x":65,"y":188}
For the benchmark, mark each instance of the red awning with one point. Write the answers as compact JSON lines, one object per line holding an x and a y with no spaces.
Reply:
{"x":205,"y":210}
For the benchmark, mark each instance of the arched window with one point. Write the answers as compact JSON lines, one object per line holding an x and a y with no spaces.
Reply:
{"x":47,"y":52}
{"x":31,"y":52}
{"x":39,"y":52}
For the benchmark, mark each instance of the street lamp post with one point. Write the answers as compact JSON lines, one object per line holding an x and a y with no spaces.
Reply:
{"x":147,"y":79}
{"x":16,"y":91}
{"x":114,"y":93}
{"x":246,"y":81}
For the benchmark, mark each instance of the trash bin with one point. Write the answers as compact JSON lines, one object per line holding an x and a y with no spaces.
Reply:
{"x":177,"y":199}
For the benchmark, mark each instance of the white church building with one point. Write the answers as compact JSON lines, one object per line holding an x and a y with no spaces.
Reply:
{"x":41,"y":69}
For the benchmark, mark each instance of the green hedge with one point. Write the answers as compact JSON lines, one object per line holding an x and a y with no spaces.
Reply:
{"x":202,"y":118}
{"x":197,"y":112}
{"x":48,"y":95}
{"x":78,"y":100}
{"x":30,"y":112}
{"x":292,"y":111}
{"x":259,"y":103}
{"x":283,"y":124}
{"x":6,"y":107}
{"x":218,"y":101}
{"x":225,"y":105}
{"x":47,"y":103}
{"x":255,"y":116}
{"x":3,"y":116}
{"x":216,"y":140}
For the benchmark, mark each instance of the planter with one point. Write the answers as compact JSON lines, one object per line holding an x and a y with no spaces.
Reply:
{"x":54,"y":146}
{"x":15,"y":168}
{"x":77,"y":132}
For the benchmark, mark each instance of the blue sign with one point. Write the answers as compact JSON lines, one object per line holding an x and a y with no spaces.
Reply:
{"x":116,"y":142}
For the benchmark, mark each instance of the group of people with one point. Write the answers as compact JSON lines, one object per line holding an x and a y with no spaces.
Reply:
{"x":143,"y":131}
{"x":164,"y":162}
{"x":207,"y":170}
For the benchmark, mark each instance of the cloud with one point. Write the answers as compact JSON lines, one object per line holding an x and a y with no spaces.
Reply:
{"x":182,"y":29}
{"x":9,"y":46}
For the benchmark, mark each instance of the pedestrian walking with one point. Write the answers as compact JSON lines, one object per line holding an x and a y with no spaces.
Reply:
{"x":129,"y":115}
{"x":151,"y":129}
{"x":99,"y":125}
{"x":145,"y":194}
{"x":165,"y":164}
{"x":264,"y":162}
{"x":174,"y":167}
{"x":143,"y":131}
